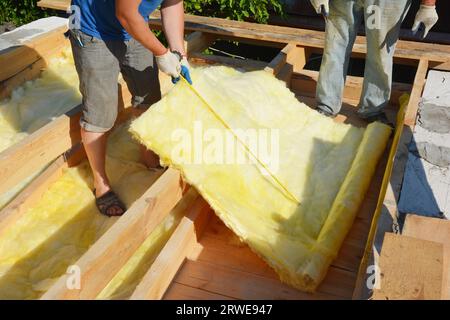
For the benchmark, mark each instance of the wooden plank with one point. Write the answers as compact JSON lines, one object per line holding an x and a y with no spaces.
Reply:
{"x":304,"y":82}
{"x":238,"y":284}
{"x":178,"y":291}
{"x":54,"y":4}
{"x":416,"y":93}
{"x":432,"y":229}
{"x":18,"y":58}
{"x":34,"y":191}
{"x":410,"y":268}
{"x":197,"y":42}
{"x":180,"y":245}
{"x":105,"y":258}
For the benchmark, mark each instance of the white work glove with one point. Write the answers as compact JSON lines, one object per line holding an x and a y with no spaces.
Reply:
{"x":317,"y":4}
{"x":169,"y":63}
{"x":426,"y":15}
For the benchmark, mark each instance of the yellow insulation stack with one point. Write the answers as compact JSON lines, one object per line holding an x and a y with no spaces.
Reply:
{"x":326,"y":165}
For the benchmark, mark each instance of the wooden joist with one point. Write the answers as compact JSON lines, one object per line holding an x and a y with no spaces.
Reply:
{"x":410,"y":268}
{"x":180,"y":245}
{"x":305,"y":81}
{"x":106,"y":257}
{"x":21,"y":57}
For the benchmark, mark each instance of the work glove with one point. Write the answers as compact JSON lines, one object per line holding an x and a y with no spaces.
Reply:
{"x":319,"y":4}
{"x":185,"y":73}
{"x":427,"y":16}
{"x":169,"y":63}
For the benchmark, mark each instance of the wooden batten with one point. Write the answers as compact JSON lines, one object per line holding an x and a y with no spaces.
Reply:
{"x":107,"y":256}
{"x":177,"y":249}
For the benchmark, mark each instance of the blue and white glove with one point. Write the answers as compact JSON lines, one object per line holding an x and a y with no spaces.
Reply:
{"x":185,"y":73}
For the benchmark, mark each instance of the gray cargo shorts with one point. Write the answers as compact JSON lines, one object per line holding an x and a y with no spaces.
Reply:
{"x":98,"y":63}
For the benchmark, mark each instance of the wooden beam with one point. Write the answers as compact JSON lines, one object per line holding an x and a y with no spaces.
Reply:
{"x":432,"y":229}
{"x":197,"y":42}
{"x":180,"y":245}
{"x":291,"y":54}
{"x":410,"y":268}
{"x":304,"y":82}
{"x":18,"y":58}
{"x":105,"y":258}
{"x":416,"y":93}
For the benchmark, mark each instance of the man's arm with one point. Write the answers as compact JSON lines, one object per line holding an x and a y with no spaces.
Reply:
{"x":127,"y":12}
{"x":172,"y":15}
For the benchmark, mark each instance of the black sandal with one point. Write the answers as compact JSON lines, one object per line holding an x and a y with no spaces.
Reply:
{"x":108,"y":203}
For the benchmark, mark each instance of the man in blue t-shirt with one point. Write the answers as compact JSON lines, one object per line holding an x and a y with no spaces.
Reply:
{"x":113,"y":37}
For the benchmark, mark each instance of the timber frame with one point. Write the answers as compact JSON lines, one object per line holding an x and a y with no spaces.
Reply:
{"x":59,"y":142}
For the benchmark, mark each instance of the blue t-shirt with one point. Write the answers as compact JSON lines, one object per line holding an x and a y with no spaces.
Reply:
{"x":98,"y":17}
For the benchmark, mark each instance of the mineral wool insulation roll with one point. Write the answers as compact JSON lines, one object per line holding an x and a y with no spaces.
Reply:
{"x":35,"y":104}
{"x":295,"y":218}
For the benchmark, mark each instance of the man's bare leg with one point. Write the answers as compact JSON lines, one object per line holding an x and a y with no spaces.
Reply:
{"x":95,"y":146}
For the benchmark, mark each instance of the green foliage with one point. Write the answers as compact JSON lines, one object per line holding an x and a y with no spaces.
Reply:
{"x":20,"y":12}
{"x":251,"y":10}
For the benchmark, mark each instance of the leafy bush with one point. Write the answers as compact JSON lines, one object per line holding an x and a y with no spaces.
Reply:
{"x":252,"y":10}
{"x":20,"y":12}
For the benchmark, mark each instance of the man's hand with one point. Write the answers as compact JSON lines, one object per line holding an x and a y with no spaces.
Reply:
{"x":318,"y":4}
{"x":427,"y":16}
{"x":169,"y":63}
{"x":185,"y":72}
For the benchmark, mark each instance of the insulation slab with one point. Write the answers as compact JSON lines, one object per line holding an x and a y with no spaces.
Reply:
{"x":325,"y":165}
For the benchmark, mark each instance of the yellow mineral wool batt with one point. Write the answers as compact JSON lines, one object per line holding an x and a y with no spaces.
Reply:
{"x":65,"y":222}
{"x":35,"y":104}
{"x":326,"y":165}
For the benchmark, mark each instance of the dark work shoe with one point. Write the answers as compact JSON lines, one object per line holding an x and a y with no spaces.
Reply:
{"x":380,"y":117}
{"x":326,"y":113}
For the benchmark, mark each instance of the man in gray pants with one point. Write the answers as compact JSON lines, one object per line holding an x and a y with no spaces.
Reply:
{"x":113,"y":37}
{"x":382,"y":24}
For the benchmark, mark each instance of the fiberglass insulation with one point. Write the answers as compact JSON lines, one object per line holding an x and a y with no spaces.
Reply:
{"x":326,"y":165}
{"x":65,"y":222}
{"x":36,"y":103}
